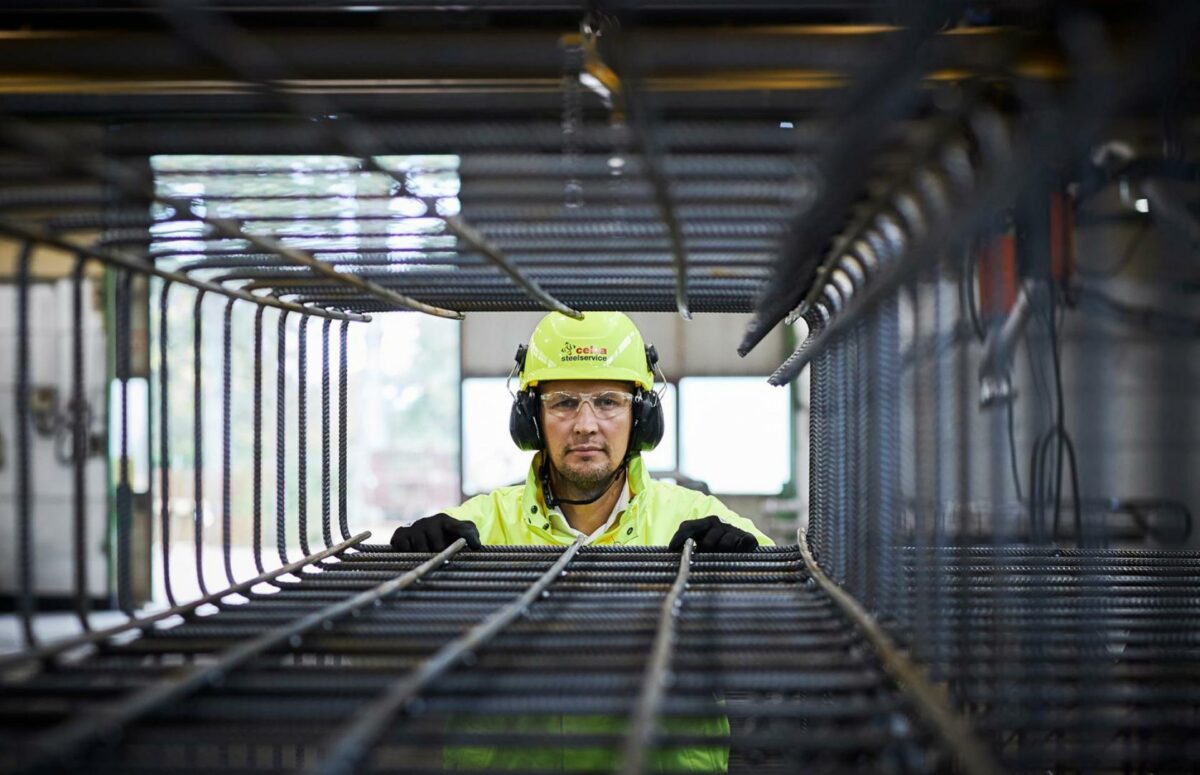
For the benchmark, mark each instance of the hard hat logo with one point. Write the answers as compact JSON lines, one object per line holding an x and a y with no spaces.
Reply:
{"x":570,"y":353}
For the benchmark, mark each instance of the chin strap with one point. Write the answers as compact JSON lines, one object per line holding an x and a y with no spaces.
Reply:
{"x":553,"y":501}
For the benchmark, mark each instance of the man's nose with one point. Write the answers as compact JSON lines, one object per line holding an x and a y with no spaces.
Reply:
{"x":585,"y":420}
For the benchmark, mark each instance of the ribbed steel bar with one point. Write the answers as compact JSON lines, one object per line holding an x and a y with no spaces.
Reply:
{"x":343,"y":429}
{"x":146,"y":622}
{"x":227,"y":444}
{"x":644,"y":724}
{"x":281,"y":359}
{"x":132,"y":183}
{"x":122,"y":345}
{"x":232,"y":46}
{"x":32,"y":233}
{"x":23,"y":546}
{"x":750,"y":631}
{"x":970,"y":754}
{"x":638,"y":106}
{"x":326,"y":460}
{"x":198,"y":440}
{"x":884,"y":93}
{"x":80,"y":412}
{"x":352,"y":741}
{"x":164,"y":438}
{"x":302,"y":434}
{"x":62,"y":742}
{"x":257,"y":422}
{"x":1084,"y":113}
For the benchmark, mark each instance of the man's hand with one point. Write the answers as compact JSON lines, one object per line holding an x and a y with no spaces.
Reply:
{"x":433,"y":534}
{"x":712,"y":535}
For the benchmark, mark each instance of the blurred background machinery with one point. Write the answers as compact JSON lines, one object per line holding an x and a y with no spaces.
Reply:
{"x":953,"y":245}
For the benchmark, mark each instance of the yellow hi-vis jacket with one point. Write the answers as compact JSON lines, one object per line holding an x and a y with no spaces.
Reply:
{"x":517,"y":515}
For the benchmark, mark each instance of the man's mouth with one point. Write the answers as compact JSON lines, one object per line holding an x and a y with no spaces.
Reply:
{"x":585,"y":449}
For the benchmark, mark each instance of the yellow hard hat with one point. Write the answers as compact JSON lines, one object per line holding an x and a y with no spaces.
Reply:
{"x":603,"y":345}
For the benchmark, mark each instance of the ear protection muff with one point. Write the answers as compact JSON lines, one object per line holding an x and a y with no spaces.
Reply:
{"x":523,"y":423}
{"x":648,"y":421}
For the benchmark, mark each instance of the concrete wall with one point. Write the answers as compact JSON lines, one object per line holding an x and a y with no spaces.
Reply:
{"x":51,"y":479}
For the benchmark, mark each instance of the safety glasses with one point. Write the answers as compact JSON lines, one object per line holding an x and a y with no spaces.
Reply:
{"x":606,"y":404}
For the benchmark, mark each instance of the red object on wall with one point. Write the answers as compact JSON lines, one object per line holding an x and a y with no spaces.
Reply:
{"x":997,"y":266}
{"x":997,"y":274}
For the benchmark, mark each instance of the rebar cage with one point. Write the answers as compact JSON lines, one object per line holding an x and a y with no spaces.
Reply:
{"x":910,"y":189}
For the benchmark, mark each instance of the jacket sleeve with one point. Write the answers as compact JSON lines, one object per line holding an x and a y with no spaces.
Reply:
{"x":486,"y":512}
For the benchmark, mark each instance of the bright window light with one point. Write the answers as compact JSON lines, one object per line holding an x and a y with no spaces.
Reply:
{"x":489,"y":457}
{"x":735,"y":434}
{"x":664,"y":457}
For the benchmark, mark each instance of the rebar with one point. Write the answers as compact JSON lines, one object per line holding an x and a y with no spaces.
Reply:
{"x":927,"y":621}
{"x":21,"y":419}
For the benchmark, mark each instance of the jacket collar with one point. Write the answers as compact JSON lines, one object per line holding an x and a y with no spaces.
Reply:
{"x":637,"y":476}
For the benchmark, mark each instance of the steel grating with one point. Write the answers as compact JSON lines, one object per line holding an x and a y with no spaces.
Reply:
{"x":801,"y":173}
{"x":1086,"y":660}
{"x":755,"y":641}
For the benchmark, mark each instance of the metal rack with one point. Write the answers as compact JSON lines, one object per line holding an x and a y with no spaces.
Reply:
{"x":823,"y":168}
{"x":377,"y":660}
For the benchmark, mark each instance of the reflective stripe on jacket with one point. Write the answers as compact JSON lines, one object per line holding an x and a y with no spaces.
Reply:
{"x":517,"y":515}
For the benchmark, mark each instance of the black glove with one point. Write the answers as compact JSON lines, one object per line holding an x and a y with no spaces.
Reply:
{"x":433,"y":534}
{"x":712,"y":535}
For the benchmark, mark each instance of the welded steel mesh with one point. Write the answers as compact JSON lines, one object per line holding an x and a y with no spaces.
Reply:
{"x":756,"y":645}
{"x":837,"y":180}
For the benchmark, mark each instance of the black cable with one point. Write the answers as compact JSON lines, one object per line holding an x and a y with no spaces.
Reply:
{"x":1012,"y":454}
{"x":969,"y":302}
{"x":1065,"y":446}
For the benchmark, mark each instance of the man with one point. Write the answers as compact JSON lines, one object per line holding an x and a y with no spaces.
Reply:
{"x":587,"y":405}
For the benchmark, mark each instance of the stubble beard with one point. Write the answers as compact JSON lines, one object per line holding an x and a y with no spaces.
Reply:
{"x":585,"y":479}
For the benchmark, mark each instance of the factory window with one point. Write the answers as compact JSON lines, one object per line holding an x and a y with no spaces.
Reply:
{"x":735,"y":434}
{"x":402,"y":367}
{"x":489,"y":457}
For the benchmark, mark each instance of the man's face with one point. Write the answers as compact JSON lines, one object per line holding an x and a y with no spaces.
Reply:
{"x":586,"y":449}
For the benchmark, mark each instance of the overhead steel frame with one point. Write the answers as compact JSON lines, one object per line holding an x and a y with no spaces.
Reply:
{"x":952,"y":603}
